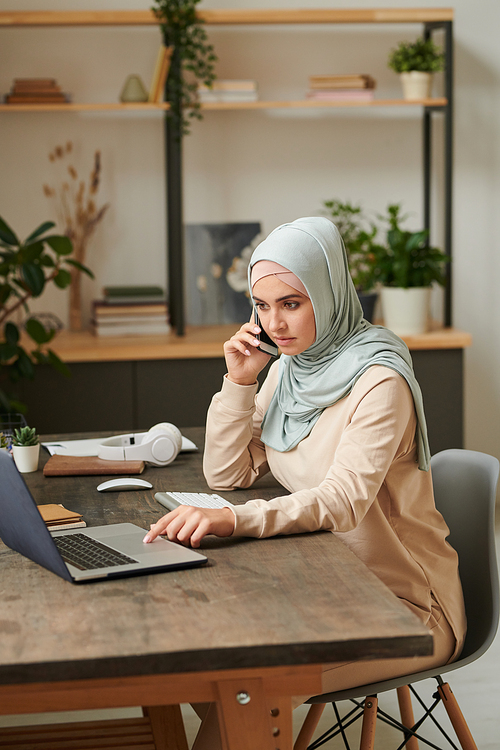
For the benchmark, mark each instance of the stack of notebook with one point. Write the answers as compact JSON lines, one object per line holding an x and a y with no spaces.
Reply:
{"x":57,"y":517}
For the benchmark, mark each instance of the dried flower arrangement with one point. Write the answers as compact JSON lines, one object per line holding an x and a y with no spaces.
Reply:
{"x":78,"y":213}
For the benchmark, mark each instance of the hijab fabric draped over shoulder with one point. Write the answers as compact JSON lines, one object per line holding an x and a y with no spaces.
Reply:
{"x":346,"y":344}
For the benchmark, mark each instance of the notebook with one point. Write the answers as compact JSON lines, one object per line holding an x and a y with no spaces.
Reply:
{"x":119,"y":546}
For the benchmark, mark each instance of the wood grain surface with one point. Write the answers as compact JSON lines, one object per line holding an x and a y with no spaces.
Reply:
{"x":289,"y":600}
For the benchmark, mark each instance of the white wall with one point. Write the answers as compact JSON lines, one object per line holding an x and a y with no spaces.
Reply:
{"x":267,"y":166}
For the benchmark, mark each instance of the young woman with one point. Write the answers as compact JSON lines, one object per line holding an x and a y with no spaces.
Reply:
{"x":339,"y":421}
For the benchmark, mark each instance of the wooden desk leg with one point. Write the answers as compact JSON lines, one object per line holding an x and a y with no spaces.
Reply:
{"x":245,"y":718}
{"x":167,"y":727}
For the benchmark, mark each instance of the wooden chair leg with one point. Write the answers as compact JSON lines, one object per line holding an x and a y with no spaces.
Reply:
{"x":406,"y":712}
{"x":369,"y":723}
{"x":309,"y":725}
{"x":167,"y":727}
{"x":456,"y":717}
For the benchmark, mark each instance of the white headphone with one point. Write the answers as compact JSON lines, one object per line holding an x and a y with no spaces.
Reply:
{"x":158,"y":446}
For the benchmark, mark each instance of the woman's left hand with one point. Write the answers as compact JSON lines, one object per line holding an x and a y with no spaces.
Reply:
{"x":188,"y":525}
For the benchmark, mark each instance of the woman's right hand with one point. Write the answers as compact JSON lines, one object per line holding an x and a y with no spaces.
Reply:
{"x":244,"y":361}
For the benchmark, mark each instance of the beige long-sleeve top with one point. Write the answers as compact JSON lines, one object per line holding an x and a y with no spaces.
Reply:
{"x":355,"y":474}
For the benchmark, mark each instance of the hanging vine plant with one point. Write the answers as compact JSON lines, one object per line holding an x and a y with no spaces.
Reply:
{"x":192,"y":62}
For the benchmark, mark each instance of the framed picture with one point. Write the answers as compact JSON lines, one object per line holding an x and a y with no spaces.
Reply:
{"x":217,"y":257}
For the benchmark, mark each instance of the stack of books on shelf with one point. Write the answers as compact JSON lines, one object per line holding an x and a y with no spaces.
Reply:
{"x":131,"y":311}
{"x":341,"y":87}
{"x":228,"y":91}
{"x":36,"y":91}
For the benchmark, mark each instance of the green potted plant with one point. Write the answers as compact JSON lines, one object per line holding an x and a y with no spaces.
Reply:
{"x":359,"y":240}
{"x":416,"y":62}
{"x":26,"y":267}
{"x":26,"y":449}
{"x":407,"y":266}
{"x":192,"y":62}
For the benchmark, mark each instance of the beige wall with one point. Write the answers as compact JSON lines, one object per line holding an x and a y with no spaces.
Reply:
{"x":266,"y":166}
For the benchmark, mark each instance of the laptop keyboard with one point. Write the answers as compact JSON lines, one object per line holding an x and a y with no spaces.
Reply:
{"x":86,"y":553}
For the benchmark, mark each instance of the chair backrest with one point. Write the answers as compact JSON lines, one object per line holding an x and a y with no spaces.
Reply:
{"x":465,"y":492}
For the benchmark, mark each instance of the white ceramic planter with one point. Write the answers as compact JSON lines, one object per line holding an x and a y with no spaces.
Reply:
{"x":416,"y":84}
{"x":26,"y":457}
{"x":406,"y":311}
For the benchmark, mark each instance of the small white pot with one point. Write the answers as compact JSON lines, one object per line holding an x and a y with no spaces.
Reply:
{"x":416,"y":84}
{"x":26,"y":457}
{"x":406,"y":311}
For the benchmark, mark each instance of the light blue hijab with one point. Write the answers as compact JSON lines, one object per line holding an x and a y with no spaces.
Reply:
{"x":346,"y":344}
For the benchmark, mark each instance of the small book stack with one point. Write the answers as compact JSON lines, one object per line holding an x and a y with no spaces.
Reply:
{"x":36,"y":91}
{"x":160,"y":74}
{"x":57,"y":517}
{"x":228,"y":91}
{"x":341,"y":87}
{"x":131,"y":311}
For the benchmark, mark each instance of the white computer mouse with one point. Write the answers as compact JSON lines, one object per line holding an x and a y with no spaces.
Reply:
{"x":124,"y":483}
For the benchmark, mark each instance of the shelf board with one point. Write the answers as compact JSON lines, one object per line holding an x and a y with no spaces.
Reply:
{"x":204,"y":342}
{"x":278,"y":104}
{"x":241,"y":16}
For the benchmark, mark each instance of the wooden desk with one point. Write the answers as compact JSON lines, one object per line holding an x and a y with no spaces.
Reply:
{"x":260,"y":618}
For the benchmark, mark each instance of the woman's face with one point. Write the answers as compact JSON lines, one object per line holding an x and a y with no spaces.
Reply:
{"x":286,"y":315}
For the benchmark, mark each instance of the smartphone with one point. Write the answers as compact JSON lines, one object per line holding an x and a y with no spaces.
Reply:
{"x":266,"y":345}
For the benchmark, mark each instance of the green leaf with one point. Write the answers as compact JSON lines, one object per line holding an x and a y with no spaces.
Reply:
{"x":7,"y":234}
{"x":24,"y":365}
{"x":41,"y":230}
{"x":37,"y":332}
{"x":58,"y":364}
{"x":30,"y":253}
{"x":80,"y":266}
{"x":7,"y":352}
{"x":60,"y":244}
{"x":11,"y":333}
{"x":34,"y":278}
{"x":62,"y":279}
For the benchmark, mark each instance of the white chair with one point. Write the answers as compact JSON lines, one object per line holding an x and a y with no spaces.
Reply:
{"x":465,"y":490}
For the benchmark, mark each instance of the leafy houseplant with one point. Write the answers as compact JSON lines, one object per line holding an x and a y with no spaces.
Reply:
{"x":407,"y":260}
{"x":192,"y":60}
{"x":26,"y":267}
{"x":407,"y":266}
{"x":359,"y":240}
{"x":416,"y":62}
{"x":26,"y":449}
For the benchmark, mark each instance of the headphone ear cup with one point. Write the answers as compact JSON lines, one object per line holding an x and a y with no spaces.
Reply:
{"x":171,"y":429}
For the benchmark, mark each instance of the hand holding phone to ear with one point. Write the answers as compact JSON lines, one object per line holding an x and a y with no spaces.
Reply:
{"x":243,"y":357}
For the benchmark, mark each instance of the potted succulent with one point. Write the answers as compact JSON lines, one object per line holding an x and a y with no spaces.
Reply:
{"x":407,"y":266}
{"x":359,"y":240}
{"x":26,"y":449}
{"x":416,"y":62}
{"x":26,"y":267}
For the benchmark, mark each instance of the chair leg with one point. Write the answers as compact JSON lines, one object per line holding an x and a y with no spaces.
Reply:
{"x":309,"y":725}
{"x":456,"y":717}
{"x":406,"y":712}
{"x":369,"y":723}
{"x":167,"y":727}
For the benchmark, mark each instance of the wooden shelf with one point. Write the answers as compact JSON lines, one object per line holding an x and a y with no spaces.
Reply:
{"x":199,"y":343}
{"x":229,"y":17}
{"x":262,"y":104}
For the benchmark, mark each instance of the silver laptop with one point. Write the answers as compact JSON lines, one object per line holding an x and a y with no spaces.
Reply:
{"x":85,"y":554}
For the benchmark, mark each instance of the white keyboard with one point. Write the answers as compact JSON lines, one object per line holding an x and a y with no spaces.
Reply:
{"x":172,"y":500}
